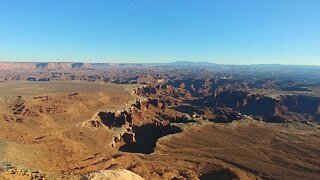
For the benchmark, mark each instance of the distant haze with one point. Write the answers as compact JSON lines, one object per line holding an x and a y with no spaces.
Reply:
{"x":144,"y":31}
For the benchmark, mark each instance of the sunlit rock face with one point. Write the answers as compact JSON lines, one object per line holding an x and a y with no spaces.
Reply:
{"x":121,"y":174}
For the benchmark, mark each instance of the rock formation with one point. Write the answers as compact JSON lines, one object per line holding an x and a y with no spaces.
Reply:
{"x":121,"y":174}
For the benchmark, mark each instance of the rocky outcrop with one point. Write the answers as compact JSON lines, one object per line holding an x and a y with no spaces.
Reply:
{"x":230,"y":99}
{"x":262,"y":106}
{"x":254,"y":104}
{"x":142,"y":105}
{"x":178,"y":118}
{"x":302,"y":104}
{"x":226,"y":115}
{"x":193,"y":86}
{"x":121,"y":174}
{"x":156,"y":102}
{"x":22,"y":173}
{"x":121,"y":122}
{"x":224,"y":93}
{"x":147,"y":90}
{"x":115,"y":119}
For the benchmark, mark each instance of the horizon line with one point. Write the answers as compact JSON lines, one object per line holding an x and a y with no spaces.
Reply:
{"x":172,"y":62}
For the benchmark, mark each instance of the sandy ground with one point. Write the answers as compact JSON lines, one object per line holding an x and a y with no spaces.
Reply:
{"x":265,"y":150}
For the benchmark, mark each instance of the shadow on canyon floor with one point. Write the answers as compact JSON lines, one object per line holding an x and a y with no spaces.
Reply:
{"x":147,"y":137}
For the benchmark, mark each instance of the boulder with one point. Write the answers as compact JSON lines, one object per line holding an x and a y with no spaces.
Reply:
{"x":121,"y":174}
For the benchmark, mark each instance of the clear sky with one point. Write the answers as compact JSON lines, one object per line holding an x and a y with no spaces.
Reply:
{"x":224,"y":31}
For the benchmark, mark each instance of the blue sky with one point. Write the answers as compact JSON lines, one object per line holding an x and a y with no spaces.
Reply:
{"x":224,"y":31}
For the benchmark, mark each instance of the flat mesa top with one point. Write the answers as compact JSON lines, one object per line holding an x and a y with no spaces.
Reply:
{"x":30,"y":88}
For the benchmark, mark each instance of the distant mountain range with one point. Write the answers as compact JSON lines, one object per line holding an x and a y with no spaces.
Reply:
{"x":81,"y":65}
{"x":190,"y":62}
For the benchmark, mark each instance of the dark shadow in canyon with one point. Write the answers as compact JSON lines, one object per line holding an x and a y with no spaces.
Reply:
{"x":188,"y":109}
{"x":147,"y":136}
